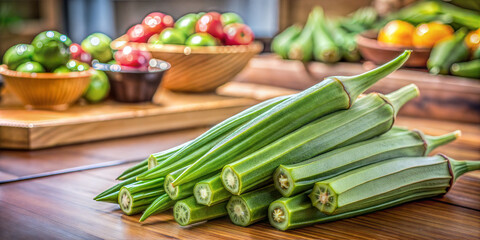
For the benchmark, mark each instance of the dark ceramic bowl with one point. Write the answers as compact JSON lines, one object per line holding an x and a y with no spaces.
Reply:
{"x":379,"y":53}
{"x":133,"y":85}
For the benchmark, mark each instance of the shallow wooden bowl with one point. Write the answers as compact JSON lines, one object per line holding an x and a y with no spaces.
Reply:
{"x":54,"y":91}
{"x":197,"y":69}
{"x":379,"y":53}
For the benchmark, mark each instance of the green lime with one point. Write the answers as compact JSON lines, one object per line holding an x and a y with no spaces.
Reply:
{"x":98,"y":88}
{"x":76,"y":66}
{"x":62,"y":69}
{"x":17,"y":55}
{"x":31,"y":67}
{"x":50,"y":48}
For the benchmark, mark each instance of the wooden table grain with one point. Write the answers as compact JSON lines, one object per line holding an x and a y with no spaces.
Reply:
{"x":61,"y":207}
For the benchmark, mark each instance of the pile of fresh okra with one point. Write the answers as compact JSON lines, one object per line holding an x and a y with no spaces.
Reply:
{"x":321,"y":155}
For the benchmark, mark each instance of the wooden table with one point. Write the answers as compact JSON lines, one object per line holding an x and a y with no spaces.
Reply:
{"x":61,"y":207}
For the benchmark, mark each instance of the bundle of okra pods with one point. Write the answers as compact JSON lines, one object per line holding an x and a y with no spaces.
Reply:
{"x":320,"y":155}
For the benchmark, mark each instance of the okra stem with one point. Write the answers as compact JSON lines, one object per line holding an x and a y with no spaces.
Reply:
{"x":403,"y":95}
{"x":356,"y":85}
{"x":160,"y":204}
{"x":433,"y":142}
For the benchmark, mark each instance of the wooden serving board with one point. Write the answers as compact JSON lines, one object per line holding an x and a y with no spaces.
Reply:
{"x":24,"y":129}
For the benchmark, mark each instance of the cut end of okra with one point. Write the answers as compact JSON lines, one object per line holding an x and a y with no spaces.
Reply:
{"x":203,"y":193}
{"x":283,"y":181}
{"x":230,"y":180}
{"x":171,"y":190}
{"x":125,"y":201}
{"x":181,"y":213}
{"x":152,"y":162}
{"x":324,"y":198}
{"x":238,"y":211}
{"x":278,"y":215}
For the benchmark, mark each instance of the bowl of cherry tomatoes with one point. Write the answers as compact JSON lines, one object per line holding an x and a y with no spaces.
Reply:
{"x":205,"y":50}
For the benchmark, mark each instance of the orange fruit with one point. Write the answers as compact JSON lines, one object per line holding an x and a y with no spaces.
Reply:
{"x":473,"y":39}
{"x":396,"y":32}
{"x":428,"y":34}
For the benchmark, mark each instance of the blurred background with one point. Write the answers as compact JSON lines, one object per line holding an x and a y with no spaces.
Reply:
{"x":21,"y":20}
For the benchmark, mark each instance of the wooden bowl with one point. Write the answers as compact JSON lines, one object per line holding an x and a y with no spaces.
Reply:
{"x":379,"y":53}
{"x":197,"y":69}
{"x":53,"y":91}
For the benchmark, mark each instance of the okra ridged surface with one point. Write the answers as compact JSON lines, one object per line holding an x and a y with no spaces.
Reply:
{"x":211,"y":191}
{"x":296,"y":178}
{"x":251,"y":207}
{"x":188,"y":211}
{"x":370,"y":116}
{"x":383,"y":181}
{"x":330,"y":95}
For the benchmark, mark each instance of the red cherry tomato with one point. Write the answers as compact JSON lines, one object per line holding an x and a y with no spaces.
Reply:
{"x":79,"y":54}
{"x":155,"y":22}
{"x":132,"y":58}
{"x":137,"y":33}
{"x":210,"y":23}
{"x":238,"y":34}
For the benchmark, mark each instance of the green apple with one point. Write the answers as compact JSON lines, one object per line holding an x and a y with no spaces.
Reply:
{"x":187,"y":23}
{"x":201,"y":39}
{"x":172,"y":36}
{"x":231,"y":17}
{"x":17,"y":55}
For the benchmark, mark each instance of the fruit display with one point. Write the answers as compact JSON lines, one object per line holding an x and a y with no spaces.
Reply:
{"x":316,"y":156}
{"x":51,"y":51}
{"x":450,"y":34}
{"x":192,"y":29}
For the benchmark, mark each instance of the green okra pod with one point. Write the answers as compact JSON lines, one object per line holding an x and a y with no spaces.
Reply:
{"x":297,"y":211}
{"x":251,"y":207}
{"x":332,"y":94}
{"x":324,"y":48}
{"x":188,"y":211}
{"x":136,"y":197}
{"x":183,"y":190}
{"x":210,"y":191}
{"x":370,"y":116}
{"x":281,"y":43}
{"x":386,"y":181}
{"x":296,"y":178}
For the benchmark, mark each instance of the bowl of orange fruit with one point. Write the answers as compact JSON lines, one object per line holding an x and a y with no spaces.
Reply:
{"x":397,"y":36}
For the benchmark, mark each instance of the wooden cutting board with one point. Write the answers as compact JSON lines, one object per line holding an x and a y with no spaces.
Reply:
{"x":35,"y":129}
